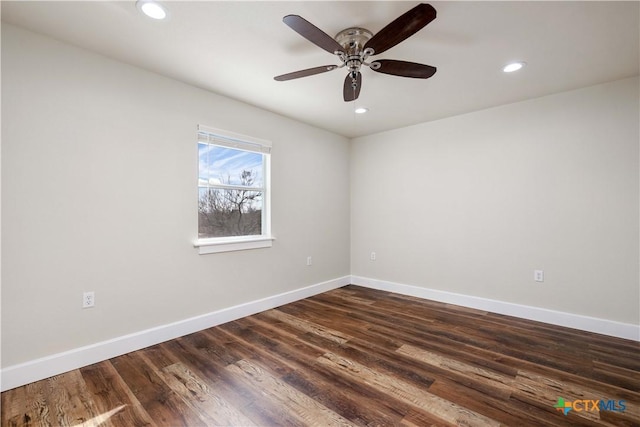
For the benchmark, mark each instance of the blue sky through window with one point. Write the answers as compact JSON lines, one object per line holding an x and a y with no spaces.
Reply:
{"x":225,"y":165}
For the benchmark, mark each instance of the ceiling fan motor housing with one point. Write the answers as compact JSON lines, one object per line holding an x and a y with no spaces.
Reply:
{"x":353,"y":39}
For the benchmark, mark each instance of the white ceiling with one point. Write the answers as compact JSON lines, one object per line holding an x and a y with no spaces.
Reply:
{"x":235,"y":48}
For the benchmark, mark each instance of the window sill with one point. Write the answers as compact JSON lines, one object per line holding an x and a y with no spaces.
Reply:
{"x":229,"y":244}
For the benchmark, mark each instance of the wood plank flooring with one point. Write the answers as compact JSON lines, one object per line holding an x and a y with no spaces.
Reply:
{"x":351,"y":356}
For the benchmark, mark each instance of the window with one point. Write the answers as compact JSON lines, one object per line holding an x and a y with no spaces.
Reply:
{"x":233,"y":191}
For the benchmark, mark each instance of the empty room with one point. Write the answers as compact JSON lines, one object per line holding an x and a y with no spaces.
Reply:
{"x":273,"y":213}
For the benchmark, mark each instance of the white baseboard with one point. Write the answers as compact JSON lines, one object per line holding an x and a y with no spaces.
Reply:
{"x":34,"y":370}
{"x":576,"y":321}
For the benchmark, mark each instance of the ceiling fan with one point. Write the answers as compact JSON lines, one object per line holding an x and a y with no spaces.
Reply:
{"x":353,"y":46}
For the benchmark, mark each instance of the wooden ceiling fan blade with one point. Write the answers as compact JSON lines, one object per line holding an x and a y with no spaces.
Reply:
{"x":352,"y":87}
{"x":402,"y":28}
{"x":403,"y":68}
{"x":312,"y":33}
{"x":305,"y":73}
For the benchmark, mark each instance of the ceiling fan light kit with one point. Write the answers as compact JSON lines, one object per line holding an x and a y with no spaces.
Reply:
{"x":353,"y":47}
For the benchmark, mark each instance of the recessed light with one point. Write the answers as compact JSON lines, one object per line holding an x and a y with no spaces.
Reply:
{"x":152,"y":9}
{"x":361,"y":110}
{"x":514,"y":66}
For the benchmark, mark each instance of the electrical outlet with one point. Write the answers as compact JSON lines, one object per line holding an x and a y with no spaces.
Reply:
{"x":309,"y":260}
{"x":538,"y":275}
{"x":88,"y":299}
{"x":372,"y":256}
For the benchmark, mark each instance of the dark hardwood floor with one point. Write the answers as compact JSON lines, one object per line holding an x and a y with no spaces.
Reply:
{"x":352,"y":356}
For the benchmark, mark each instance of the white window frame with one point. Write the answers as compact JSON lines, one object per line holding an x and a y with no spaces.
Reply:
{"x":228,"y":139}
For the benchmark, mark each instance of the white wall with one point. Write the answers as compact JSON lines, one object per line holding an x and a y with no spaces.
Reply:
{"x":473,"y":204}
{"x":99,"y":175}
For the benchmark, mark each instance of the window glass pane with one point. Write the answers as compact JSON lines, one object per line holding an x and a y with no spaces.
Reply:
{"x":224,"y":212}
{"x":222,"y":165}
